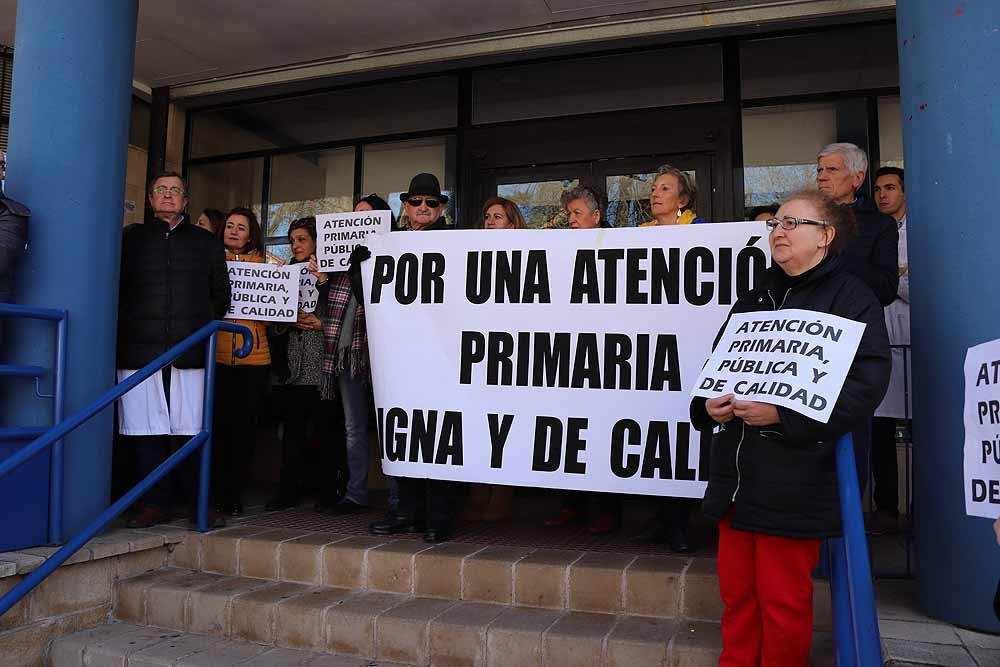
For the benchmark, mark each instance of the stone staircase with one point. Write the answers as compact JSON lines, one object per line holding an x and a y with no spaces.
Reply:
{"x":263,"y":596}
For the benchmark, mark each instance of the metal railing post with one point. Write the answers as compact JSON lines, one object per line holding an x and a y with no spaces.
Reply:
{"x":855,"y":617}
{"x":205,"y":474}
{"x":57,"y":432}
{"x":58,"y":410}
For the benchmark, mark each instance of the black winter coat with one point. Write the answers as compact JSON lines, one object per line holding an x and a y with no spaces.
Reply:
{"x":172,"y":284}
{"x":873,"y":253}
{"x":782,"y":479}
{"x":13,"y":235}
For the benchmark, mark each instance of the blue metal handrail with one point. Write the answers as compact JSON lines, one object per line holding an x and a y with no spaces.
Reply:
{"x":202,"y":439}
{"x":855,"y":620}
{"x":61,"y":318}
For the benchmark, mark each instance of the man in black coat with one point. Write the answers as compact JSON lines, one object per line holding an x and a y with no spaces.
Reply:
{"x":173,"y":281}
{"x":871,"y":255}
{"x":425,"y":505}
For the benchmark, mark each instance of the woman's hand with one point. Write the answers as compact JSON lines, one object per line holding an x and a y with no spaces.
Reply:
{"x":720,"y":408}
{"x":756,"y":414}
{"x":309,"y":322}
{"x":314,"y":269}
{"x":996,"y":530}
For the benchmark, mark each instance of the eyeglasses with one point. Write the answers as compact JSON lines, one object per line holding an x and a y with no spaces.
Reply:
{"x":162,"y":190}
{"x":417,"y":201}
{"x":789,"y":223}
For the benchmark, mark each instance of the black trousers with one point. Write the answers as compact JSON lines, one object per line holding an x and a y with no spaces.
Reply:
{"x":239,"y":394}
{"x":177,"y":488}
{"x":300,"y":406}
{"x":862,"y":451}
{"x":884,"y":464}
{"x":676,"y":512}
{"x":430,"y":500}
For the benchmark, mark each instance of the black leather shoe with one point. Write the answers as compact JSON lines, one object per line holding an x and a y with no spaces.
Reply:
{"x":437,"y":535}
{"x":679,"y":541}
{"x":653,"y":533}
{"x":392,"y":525}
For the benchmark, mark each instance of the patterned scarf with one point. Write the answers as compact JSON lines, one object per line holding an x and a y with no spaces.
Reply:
{"x":355,"y":357}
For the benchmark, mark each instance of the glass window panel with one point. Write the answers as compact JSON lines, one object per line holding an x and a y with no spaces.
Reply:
{"x":539,"y":201}
{"x":431,"y":103}
{"x":890,"y":132}
{"x":852,"y":58}
{"x":225,"y":185}
{"x":388,"y":168}
{"x":628,"y":198}
{"x":664,"y":77}
{"x":780,"y":144}
{"x":309,"y":184}
{"x":278,"y":253}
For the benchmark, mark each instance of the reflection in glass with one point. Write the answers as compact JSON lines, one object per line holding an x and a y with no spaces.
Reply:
{"x":279,"y":254}
{"x":310,"y":183}
{"x":890,"y":132}
{"x":780,"y":144}
{"x":388,"y":168}
{"x":226,"y":185}
{"x":539,"y":202}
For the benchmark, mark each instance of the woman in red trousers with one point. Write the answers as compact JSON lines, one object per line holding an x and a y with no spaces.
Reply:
{"x":773,"y":475}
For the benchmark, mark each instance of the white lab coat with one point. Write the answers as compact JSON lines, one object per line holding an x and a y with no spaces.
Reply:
{"x":897,"y":322}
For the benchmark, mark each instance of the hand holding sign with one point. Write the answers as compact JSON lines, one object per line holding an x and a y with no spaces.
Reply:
{"x":797,"y":359}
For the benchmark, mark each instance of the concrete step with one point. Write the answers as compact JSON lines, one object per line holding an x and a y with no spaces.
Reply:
{"x":126,"y":645}
{"x":595,"y":582}
{"x":408,"y":629}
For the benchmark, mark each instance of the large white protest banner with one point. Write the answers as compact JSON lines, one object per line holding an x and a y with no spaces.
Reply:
{"x":264,"y":292}
{"x":561,"y":359}
{"x":982,"y":430}
{"x":337,"y":234}
{"x":798,"y":359}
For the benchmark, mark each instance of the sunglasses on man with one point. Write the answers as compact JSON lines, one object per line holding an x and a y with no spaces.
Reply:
{"x":418,"y":201}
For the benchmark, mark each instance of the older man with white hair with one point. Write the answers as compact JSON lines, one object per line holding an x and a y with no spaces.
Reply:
{"x":872,"y":253}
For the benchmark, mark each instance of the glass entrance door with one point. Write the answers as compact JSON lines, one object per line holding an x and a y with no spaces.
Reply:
{"x":624,"y":183}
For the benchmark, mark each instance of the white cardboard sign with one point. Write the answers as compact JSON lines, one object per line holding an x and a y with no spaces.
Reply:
{"x":263,"y":292}
{"x":339,"y":233}
{"x":982,"y":430}
{"x":308,"y":292}
{"x":798,"y":359}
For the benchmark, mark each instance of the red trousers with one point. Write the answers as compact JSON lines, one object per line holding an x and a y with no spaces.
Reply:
{"x":766,"y":585}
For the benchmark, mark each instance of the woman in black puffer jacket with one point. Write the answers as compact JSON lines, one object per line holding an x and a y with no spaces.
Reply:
{"x":773,"y":476}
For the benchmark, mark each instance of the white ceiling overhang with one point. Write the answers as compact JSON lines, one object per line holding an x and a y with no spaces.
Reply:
{"x":207,"y":47}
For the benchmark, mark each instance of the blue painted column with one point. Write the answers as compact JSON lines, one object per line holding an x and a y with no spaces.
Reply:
{"x":949,"y":60}
{"x":70,"y":109}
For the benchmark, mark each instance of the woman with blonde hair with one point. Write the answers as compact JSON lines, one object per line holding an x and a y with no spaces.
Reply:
{"x":673,"y":195}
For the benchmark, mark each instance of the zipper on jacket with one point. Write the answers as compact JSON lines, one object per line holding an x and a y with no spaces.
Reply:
{"x":743,"y":431}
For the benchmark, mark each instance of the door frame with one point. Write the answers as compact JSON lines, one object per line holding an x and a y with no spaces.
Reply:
{"x":695,"y":130}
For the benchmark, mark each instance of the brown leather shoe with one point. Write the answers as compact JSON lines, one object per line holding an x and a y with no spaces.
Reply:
{"x":150,"y":515}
